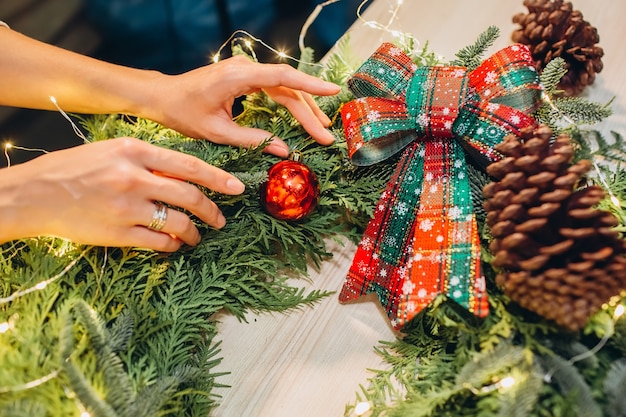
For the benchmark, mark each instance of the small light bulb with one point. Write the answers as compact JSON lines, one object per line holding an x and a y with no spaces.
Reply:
{"x":4,"y":327}
{"x":248,"y":44}
{"x":8,"y":145}
{"x":41,"y":285}
{"x":85,"y":414}
{"x":282,"y":54}
{"x":362,"y":408}
{"x":216,"y":58}
{"x":507,"y":382}
{"x":619,"y":312}
{"x":615,"y":201}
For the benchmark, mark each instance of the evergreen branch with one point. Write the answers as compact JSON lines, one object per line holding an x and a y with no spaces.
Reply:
{"x":570,"y":381}
{"x":486,"y":365}
{"x":520,"y":399}
{"x":307,"y":63}
{"x":614,"y":383}
{"x":592,"y":145}
{"x":551,"y":75}
{"x":341,"y":63}
{"x":471,"y":56}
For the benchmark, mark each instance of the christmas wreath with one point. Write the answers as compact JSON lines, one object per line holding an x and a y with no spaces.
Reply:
{"x":130,"y":332}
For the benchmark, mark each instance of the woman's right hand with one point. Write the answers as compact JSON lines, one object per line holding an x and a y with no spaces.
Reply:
{"x":104,"y":194}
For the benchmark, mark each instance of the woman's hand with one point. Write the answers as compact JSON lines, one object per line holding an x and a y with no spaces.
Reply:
{"x":199,"y":103}
{"x":103,"y":194}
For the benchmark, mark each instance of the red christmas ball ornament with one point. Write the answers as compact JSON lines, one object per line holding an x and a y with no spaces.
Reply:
{"x":291,"y":190}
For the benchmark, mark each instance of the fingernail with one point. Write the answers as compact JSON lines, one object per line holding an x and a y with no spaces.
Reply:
{"x":330,"y":137}
{"x":278,"y":149}
{"x":221,"y":221}
{"x":235,"y":186}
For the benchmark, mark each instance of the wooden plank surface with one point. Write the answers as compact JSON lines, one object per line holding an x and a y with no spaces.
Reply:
{"x":310,"y":363}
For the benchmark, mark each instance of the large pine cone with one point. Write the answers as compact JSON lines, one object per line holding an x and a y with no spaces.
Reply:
{"x":551,"y":29}
{"x":558,"y":254}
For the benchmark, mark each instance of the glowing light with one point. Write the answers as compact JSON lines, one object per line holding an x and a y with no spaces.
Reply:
{"x":5,"y":327}
{"x":362,"y":408}
{"x":216,"y":58}
{"x":75,"y":128}
{"x":248,"y":43}
{"x":507,"y":382}
{"x":85,"y":414}
{"x":29,"y":385}
{"x":619,"y":312}
{"x":43,"y":284}
{"x":615,"y":201}
{"x":8,"y":145}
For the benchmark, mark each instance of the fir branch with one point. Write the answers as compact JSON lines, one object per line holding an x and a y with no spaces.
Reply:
{"x":341,"y":63}
{"x":520,"y":399}
{"x":489,"y":364}
{"x":593,"y":146}
{"x":471,"y":56}
{"x":614,"y":384}
{"x":566,"y":113}
{"x":570,"y":381}
{"x":551,"y":75}
{"x":307,"y":63}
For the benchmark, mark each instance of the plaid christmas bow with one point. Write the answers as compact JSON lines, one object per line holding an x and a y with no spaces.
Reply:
{"x":423,"y":239}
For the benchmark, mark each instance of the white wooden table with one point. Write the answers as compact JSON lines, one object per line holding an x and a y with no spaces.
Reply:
{"x":310,"y":362}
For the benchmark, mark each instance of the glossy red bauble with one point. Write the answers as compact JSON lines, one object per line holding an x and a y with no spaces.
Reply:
{"x":291,"y":190}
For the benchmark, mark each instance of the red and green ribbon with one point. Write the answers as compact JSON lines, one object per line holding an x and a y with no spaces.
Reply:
{"x":423,"y":239}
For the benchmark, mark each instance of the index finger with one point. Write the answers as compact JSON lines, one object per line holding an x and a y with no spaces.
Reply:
{"x":277,"y":75}
{"x":189,"y":168}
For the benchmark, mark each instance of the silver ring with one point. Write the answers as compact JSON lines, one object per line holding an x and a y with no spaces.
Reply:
{"x":158,"y":218}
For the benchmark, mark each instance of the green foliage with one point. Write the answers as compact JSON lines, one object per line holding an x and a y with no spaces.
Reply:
{"x":593,"y":146}
{"x":613,"y":387}
{"x":121,"y":332}
{"x":471,"y":56}
{"x":552,"y":74}
{"x":129,"y":332}
{"x":567,"y":113}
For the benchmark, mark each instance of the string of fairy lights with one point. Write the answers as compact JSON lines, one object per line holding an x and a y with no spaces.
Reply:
{"x":249,"y":41}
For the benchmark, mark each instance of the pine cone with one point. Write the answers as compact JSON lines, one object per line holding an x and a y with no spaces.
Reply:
{"x":553,"y":29}
{"x":560,"y":256}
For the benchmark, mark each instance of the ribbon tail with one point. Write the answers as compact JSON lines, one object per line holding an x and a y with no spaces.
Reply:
{"x":446,"y":246}
{"x":380,"y":264}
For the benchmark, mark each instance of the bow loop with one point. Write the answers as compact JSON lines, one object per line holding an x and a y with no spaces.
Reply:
{"x":386,"y":74}
{"x":507,"y":78}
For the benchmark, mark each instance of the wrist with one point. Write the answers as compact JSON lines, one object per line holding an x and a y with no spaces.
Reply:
{"x":14,"y":222}
{"x":144,"y":95}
